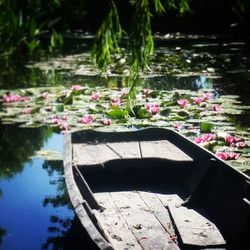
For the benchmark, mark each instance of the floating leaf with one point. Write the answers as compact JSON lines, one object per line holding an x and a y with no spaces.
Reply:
{"x":206,"y":127}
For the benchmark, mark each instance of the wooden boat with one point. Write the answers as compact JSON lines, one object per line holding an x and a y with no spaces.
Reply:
{"x":155,"y":189}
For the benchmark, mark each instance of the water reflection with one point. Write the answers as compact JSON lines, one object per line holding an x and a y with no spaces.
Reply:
{"x":35,"y":210}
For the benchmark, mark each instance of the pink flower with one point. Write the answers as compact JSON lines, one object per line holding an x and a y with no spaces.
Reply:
{"x":106,"y":121}
{"x":95,"y":96}
{"x":64,"y":126}
{"x":152,"y":108}
{"x":207,"y":96}
{"x":87,"y":119}
{"x":221,"y":155}
{"x":25,"y":99}
{"x":76,"y":87}
{"x":26,"y":111}
{"x":227,"y":155}
{"x":205,"y":138}
{"x":116,"y":101}
{"x":146,"y":92}
{"x":231,"y":140}
{"x":11,"y":98}
{"x":217,"y":107}
{"x":183,"y":102}
{"x":198,"y":100}
{"x":241,"y":144}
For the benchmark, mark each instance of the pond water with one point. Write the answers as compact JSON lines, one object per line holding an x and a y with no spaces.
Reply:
{"x":35,"y":208}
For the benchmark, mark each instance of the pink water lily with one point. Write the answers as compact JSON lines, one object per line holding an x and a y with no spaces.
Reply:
{"x":146,"y":92}
{"x":116,"y":101}
{"x":241,"y":144}
{"x":76,"y":87}
{"x":15,"y":98}
{"x":207,"y":96}
{"x":227,"y":155}
{"x":198,"y":100}
{"x":183,"y":102}
{"x":205,"y":138}
{"x":106,"y":121}
{"x":231,"y":140}
{"x":26,"y":111}
{"x":95,"y":96}
{"x":152,"y":108}
{"x":61,"y":122}
{"x":216,"y":107}
{"x":87,"y":119}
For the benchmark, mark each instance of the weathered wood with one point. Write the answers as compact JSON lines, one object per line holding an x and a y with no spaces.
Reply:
{"x":170,"y":199}
{"x":88,"y":154}
{"x":162,"y":149}
{"x":126,"y":150}
{"x":142,"y":221}
{"x":115,"y":227}
{"x":160,"y":212}
{"x":89,"y":226}
{"x":194,"y":229}
{"x":75,"y":195}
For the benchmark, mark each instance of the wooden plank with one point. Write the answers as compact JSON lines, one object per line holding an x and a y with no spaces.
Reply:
{"x":170,"y":199}
{"x":113,"y":224}
{"x":89,"y":154}
{"x":162,"y":149}
{"x":126,"y":150}
{"x":91,"y":229}
{"x":142,"y":221}
{"x":194,"y":229}
{"x":160,"y":212}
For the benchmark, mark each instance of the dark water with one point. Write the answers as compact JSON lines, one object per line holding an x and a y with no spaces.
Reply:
{"x":35,"y":211}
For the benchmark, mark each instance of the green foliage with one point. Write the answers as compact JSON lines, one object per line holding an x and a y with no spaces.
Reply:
{"x":107,"y":38}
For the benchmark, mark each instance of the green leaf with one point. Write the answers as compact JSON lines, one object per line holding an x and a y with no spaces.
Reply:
{"x":116,"y":113}
{"x":206,"y":127}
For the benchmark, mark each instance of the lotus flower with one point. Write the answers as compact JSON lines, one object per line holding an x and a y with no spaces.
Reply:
{"x":217,"y":107}
{"x":152,"y":108}
{"x":95,"y":96}
{"x":88,"y":119}
{"x":205,"y":138}
{"x":76,"y":87}
{"x":183,"y":102}
{"x":198,"y":100}
{"x":231,"y":140}
{"x":116,"y":101}
{"x":207,"y":96}
{"x":241,"y":144}
{"x":15,"y":98}
{"x":106,"y":121}
{"x":26,"y":111}
{"x":227,"y":155}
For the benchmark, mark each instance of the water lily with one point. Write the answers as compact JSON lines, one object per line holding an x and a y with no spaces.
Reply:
{"x":146,"y":92}
{"x":15,"y":98}
{"x":95,"y":96}
{"x":116,"y":101}
{"x":231,"y":140}
{"x":207,"y":96}
{"x":205,"y":138}
{"x":26,"y":111}
{"x":198,"y":100}
{"x":64,"y":126}
{"x":241,"y":144}
{"x":152,"y":108}
{"x":216,"y":107}
{"x":227,"y":155}
{"x":87,"y":119}
{"x":183,"y":102}
{"x":76,"y":87}
{"x":106,"y":121}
